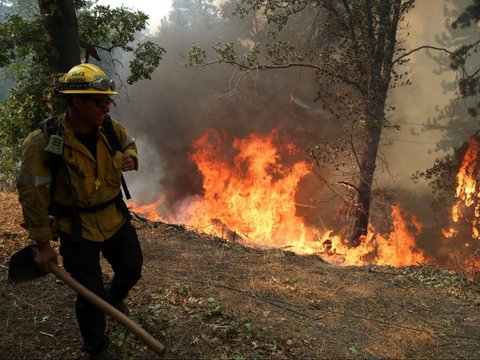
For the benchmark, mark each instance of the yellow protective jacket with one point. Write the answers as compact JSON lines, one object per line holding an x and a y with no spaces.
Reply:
{"x":93,"y":182}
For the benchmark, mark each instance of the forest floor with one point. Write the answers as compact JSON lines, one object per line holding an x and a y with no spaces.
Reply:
{"x":205,"y":298}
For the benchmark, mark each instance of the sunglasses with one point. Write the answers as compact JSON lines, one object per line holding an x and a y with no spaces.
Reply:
{"x":102,"y":84}
{"x":99,"y":102}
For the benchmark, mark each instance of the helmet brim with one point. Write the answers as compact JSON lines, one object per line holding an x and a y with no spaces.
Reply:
{"x":88,"y":91}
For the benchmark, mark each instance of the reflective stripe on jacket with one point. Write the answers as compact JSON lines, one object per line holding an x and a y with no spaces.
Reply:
{"x":93,"y":182}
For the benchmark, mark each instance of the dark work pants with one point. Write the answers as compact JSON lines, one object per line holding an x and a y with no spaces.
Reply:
{"x":82,"y":261}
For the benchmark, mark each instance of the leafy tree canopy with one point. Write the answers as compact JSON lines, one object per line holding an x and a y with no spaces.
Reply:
{"x":104,"y":34}
{"x":470,"y":72}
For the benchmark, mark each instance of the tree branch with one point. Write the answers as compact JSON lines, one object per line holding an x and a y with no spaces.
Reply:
{"x":420,"y":48}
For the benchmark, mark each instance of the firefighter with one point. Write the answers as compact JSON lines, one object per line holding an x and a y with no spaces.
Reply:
{"x":70,"y":185}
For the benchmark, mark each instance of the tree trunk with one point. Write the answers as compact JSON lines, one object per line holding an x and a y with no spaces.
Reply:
{"x":381,"y":53}
{"x":367,"y":169}
{"x":61,"y":33}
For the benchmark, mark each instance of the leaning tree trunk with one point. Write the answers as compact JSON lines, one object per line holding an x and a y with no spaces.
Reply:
{"x":61,"y":33}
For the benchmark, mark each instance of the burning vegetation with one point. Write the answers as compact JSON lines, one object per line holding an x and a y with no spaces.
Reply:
{"x":249,"y":197}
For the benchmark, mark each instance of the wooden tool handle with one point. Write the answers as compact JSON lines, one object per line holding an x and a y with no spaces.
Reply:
{"x":136,"y":329}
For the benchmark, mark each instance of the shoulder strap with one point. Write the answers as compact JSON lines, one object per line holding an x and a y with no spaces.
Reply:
{"x":50,"y":125}
{"x":53,"y":131}
{"x":54,"y":152}
{"x":111,"y":134}
{"x":116,"y":146}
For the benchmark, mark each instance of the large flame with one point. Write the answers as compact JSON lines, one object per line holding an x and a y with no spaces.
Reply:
{"x":466,"y":191}
{"x":249,"y":197}
{"x":398,"y":248}
{"x":466,"y":209}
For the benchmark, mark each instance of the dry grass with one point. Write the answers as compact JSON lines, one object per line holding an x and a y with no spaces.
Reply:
{"x":209,"y":299}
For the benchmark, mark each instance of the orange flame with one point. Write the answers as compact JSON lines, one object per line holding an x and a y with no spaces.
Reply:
{"x":148,"y":211}
{"x":464,"y":213}
{"x":252,"y":195}
{"x":398,"y":248}
{"x":466,"y":182}
{"x":466,"y":192}
{"x":249,"y":197}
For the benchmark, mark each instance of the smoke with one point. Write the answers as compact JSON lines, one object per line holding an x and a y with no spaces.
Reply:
{"x":179,"y":104}
{"x":423,"y":110}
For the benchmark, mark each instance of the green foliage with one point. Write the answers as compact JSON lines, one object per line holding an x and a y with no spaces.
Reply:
{"x":225,"y":52}
{"x":252,"y":57}
{"x":463,"y":55}
{"x":147,"y":58}
{"x":456,"y":118}
{"x":196,"y":55}
{"x":118,"y":333}
{"x":26,"y":106}
{"x":186,"y":13}
{"x":274,"y":346}
{"x":213,"y":309}
{"x":354,"y":351}
{"x":276,"y":12}
{"x":447,"y":323}
{"x":20,"y":38}
{"x":24,"y":57}
{"x":282,"y":52}
{"x":104,"y":26}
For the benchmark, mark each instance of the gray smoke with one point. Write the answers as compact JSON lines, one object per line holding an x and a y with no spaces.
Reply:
{"x":179,"y":104}
{"x":168,"y":113}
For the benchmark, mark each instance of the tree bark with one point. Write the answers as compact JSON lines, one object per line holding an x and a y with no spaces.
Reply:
{"x":381,"y":54}
{"x":367,"y":170}
{"x":61,"y":33}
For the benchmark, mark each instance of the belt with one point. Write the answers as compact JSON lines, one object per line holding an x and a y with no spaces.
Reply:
{"x":63,"y":211}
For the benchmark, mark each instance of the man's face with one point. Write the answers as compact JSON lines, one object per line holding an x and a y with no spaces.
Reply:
{"x":94,"y":108}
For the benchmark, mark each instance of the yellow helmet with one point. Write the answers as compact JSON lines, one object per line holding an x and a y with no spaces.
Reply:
{"x":86,"y":79}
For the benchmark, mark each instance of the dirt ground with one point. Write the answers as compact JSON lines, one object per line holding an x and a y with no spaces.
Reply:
{"x":205,"y":298}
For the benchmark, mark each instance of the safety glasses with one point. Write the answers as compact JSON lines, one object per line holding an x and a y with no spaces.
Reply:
{"x":102,"y":84}
{"x":99,"y":102}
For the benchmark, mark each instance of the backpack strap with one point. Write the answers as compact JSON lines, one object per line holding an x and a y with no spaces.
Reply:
{"x":54,"y":160}
{"x":116,"y":146}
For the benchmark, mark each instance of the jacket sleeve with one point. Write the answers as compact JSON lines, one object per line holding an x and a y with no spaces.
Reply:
{"x":128,"y":142}
{"x":33,"y":185}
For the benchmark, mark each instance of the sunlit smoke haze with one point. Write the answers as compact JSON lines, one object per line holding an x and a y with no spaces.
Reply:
{"x":168,"y":113}
{"x":414,"y":147}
